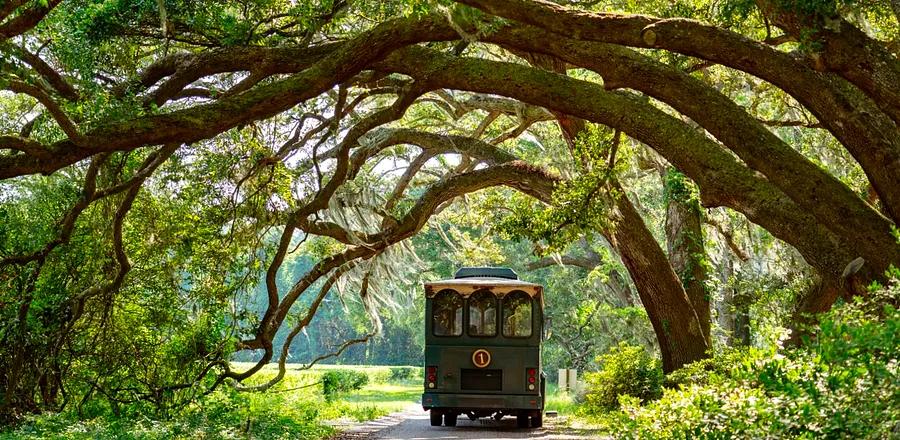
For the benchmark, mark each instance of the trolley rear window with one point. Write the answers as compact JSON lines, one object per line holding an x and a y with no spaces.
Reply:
{"x":479,"y":314}
{"x":447,"y":318}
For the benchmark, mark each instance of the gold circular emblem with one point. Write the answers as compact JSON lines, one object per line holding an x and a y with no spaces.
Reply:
{"x":481,"y":358}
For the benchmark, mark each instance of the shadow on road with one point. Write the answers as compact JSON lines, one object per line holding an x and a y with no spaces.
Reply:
{"x":413,"y":424}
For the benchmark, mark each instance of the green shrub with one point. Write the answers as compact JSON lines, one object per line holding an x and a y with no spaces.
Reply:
{"x":708,"y":371}
{"x":341,"y":381}
{"x":845,"y":383}
{"x":625,"y":370}
{"x":405,"y":374}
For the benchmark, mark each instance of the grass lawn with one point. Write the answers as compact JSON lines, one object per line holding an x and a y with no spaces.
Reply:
{"x":384,"y":394}
{"x":386,"y":398}
{"x":562,"y":403}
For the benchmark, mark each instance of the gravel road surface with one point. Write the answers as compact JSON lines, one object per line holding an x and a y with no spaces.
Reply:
{"x":412,"y":424}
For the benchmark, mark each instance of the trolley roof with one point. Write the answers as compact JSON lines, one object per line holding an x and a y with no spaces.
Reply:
{"x":468,"y":286}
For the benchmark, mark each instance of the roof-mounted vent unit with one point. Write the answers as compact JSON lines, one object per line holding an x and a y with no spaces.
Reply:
{"x":486,"y":272}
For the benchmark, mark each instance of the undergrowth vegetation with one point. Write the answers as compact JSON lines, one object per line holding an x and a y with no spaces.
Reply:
{"x":296,"y":409}
{"x":627,"y":370}
{"x":843,"y":382}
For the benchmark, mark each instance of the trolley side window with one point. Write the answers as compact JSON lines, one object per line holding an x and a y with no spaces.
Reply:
{"x":517,"y":315}
{"x":447,"y":316}
{"x":483,"y":314}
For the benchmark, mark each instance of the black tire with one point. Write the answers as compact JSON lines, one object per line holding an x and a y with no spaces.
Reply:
{"x":521,"y":421}
{"x":435,"y":417}
{"x":537,"y":421}
{"x":450,"y":419}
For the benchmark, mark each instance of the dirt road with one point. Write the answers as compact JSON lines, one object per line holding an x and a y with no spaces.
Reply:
{"x":412,"y":424}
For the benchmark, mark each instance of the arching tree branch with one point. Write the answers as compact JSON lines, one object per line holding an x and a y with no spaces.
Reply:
{"x":722,"y":179}
{"x":873,"y":140}
{"x":27,"y":19}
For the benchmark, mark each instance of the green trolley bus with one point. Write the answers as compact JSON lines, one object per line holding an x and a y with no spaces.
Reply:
{"x":483,"y":333}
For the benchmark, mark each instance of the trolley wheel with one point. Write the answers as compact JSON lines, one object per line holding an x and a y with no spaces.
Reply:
{"x":538,"y":420}
{"x":450,"y":419}
{"x":521,"y":421}
{"x":435,"y":417}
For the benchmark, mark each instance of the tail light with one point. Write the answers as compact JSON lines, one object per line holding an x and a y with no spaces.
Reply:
{"x":531,"y":378}
{"x":431,"y":376}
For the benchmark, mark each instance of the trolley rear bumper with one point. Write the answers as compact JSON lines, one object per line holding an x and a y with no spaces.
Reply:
{"x":482,"y":401}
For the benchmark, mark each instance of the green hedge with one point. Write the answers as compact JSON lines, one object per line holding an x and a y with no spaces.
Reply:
{"x":383,"y":374}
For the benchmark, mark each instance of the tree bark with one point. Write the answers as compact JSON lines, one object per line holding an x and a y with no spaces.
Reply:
{"x":733,"y":309}
{"x":674,"y":318}
{"x":873,"y":140}
{"x":811,"y":187}
{"x":678,"y":328}
{"x":723,"y":180}
{"x":841,"y":47}
{"x":207,"y":120}
{"x":684,"y":242}
{"x":740,"y":304}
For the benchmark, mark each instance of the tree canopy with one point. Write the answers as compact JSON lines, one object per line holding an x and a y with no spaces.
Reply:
{"x":159,"y":161}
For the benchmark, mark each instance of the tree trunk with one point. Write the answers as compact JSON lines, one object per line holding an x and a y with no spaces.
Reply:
{"x":619,"y":286}
{"x":734,"y":308}
{"x":725,"y":316}
{"x":817,"y":299}
{"x":675,"y":322}
{"x":684,"y":240}
{"x":740,"y":306}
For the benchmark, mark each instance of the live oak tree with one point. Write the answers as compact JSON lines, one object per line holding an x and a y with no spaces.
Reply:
{"x":157,"y":158}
